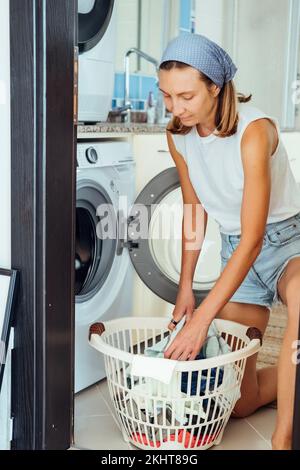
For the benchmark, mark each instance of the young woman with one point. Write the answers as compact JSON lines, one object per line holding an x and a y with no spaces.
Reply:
{"x":230,"y":159}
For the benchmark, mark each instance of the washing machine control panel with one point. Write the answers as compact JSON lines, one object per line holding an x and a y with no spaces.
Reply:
{"x":91,"y":155}
{"x":106,"y":153}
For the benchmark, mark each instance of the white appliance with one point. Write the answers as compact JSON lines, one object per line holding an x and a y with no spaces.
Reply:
{"x":147,"y":238}
{"x":103,"y":271}
{"x":97,"y":43}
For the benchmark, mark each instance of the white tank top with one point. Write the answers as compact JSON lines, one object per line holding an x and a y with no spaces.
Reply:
{"x":216,"y":173}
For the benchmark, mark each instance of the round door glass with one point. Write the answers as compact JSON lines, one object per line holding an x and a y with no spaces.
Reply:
{"x":94,"y":253}
{"x":156,"y":227}
{"x":87,"y":250}
{"x":165,"y":243}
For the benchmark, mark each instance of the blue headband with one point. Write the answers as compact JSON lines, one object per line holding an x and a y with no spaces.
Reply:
{"x":203,"y":54}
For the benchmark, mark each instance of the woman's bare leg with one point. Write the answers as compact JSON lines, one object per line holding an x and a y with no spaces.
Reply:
{"x":258,"y":387}
{"x":289,"y":291}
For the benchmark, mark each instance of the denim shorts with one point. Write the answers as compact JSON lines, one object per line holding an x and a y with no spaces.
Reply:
{"x":281,"y":244}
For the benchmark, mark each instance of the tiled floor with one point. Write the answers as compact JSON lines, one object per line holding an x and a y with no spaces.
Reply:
{"x":96,"y":427}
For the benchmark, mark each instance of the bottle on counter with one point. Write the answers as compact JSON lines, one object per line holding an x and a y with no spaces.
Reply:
{"x":150,"y":108}
{"x":160,"y":112}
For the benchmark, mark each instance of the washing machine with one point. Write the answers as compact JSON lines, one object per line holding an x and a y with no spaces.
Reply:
{"x":146,"y":243}
{"x":97,"y":47}
{"x":103,"y":270}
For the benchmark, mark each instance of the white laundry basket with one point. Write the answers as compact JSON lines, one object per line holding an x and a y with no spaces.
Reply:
{"x":153,"y":415}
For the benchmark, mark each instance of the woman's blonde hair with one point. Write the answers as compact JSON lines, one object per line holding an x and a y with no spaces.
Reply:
{"x":227,"y":117}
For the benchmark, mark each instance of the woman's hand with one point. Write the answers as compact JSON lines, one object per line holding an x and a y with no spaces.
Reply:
{"x":189,"y":341}
{"x":185,"y":305}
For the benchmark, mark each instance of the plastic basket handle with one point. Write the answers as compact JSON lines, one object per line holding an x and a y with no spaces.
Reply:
{"x":96,"y":329}
{"x":254,"y":333}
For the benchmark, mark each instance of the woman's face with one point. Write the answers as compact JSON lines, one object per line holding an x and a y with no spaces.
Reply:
{"x":186,"y":96}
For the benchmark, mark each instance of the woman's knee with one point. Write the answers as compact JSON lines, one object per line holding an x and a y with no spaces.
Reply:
{"x":246,"y":314}
{"x":242,"y":410}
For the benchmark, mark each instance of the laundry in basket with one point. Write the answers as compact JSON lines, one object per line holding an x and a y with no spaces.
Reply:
{"x":158,"y":379}
{"x":161,"y":410}
{"x":213,"y":346}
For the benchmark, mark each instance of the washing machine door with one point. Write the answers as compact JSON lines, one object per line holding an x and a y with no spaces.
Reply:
{"x":155,"y":244}
{"x":93,"y":20}
{"x":94,"y":255}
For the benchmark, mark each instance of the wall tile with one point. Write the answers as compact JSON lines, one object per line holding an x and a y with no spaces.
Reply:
{"x":148,"y":84}
{"x":134,"y":91}
{"x":135,"y":104}
{"x":140,"y":86}
{"x":119,"y":85}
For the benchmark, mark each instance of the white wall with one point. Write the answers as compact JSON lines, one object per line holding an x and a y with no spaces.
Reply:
{"x":127,"y":18}
{"x":5,"y":204}
{"x":210,"y":19}
{"x":255,"y":35}
{"x":262,"y":31}
{"x":291,"y":142}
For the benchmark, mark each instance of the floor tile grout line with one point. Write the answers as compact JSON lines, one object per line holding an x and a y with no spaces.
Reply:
{"x":113,"y":415}
{"x":119,"y":427}
{"x":109,"y":411}
{"x":110,"y":408}
{"x":105,"y":401}
{"x":258,"y":433}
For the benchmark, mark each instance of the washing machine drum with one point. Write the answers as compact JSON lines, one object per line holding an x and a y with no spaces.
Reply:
{"x":93,"y":20}
{"x":94,"y":254}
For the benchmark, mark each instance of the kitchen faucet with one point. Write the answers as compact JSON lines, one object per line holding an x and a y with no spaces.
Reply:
{"x":148,"y":58}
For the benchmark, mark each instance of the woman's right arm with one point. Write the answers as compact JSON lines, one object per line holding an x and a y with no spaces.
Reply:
{"x":185,"y":302}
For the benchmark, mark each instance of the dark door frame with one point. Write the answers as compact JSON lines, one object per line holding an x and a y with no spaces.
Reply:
{"x":43,"y":34}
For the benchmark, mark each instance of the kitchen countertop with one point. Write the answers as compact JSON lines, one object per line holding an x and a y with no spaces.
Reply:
{"x":101,"y":128}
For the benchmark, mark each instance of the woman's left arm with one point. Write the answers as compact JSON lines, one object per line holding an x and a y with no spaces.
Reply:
{"x":257,"y":147}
